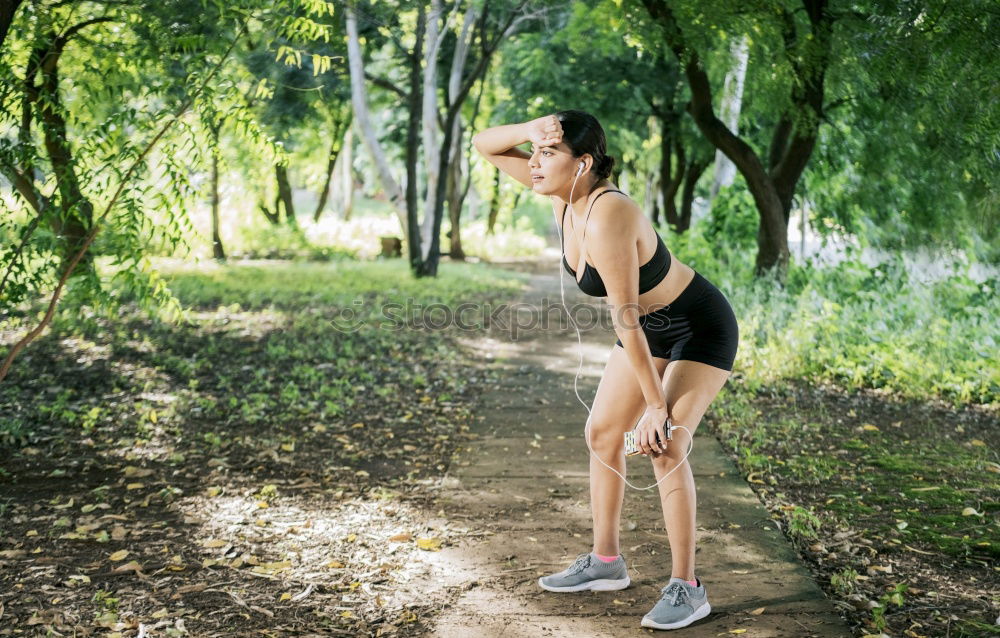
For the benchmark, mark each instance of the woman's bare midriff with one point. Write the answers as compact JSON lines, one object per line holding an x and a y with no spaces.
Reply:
{"x":663,"y":293}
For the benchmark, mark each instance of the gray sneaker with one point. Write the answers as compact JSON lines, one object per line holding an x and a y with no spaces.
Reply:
{"x":589,"y":573}
{"x":679,"y":606}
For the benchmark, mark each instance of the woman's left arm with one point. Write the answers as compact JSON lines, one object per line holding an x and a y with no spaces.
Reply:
{"x":616,"y":257}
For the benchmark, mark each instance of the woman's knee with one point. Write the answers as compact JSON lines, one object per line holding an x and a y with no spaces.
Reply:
{"x":606,"y":435}
{"x":670,"y":459}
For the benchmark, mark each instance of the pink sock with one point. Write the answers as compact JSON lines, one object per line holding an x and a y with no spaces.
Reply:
{"x":606,"y":559}
{"x":693,"y":583}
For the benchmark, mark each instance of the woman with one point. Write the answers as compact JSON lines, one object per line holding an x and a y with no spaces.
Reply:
{"x":677,"y":340}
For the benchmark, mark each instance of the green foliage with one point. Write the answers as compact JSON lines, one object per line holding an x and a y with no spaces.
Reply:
{"x":105,"y":601}
{"x":266,"y":241}
{"x":900,"y":480}
{"x":516,"y":240}
{"x":860,"y":326}
{"x":12,"y":432}
{"x":803,"y":523}
{"x":895,"y":597}
{"x":114,"y":79}
{"x":844,"y":581}
{"x":733,"y":220}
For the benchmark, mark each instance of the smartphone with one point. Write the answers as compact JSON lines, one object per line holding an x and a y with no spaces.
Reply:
{"x":631,"y":446}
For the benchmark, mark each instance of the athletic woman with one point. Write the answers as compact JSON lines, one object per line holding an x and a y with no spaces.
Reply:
{"x":677,"y":340}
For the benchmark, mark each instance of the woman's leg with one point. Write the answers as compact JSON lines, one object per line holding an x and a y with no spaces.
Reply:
{"x":618,"y":404}
{"x":690,"y":386}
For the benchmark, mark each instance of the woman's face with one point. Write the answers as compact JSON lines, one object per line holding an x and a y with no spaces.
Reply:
{"x":552,"y":168}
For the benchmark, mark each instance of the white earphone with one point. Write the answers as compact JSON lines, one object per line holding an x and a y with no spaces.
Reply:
{"x":580,"y":170}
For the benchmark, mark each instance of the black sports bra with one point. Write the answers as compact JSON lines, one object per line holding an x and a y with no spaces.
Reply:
{"x":650,"y":273}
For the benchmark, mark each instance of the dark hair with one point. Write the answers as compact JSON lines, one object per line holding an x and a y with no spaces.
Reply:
{"x":583,"y":134}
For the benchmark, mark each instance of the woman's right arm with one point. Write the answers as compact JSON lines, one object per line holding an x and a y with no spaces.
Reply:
{"x":499,"y":146}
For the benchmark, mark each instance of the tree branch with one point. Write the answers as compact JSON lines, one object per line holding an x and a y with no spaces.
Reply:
{"x":386,"y":84}
{"x":24,"y":186}
{"x":76,"y":28}
{"x":24,"y":341}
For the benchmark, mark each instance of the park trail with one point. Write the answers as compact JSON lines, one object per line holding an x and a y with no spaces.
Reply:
{"x":521,"y":489}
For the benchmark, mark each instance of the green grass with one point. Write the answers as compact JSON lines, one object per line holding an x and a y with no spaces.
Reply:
{"x":906,"y":485}
{"x":858,"y":326}
{"x":273,"y":347}
{"x":337,"y":283}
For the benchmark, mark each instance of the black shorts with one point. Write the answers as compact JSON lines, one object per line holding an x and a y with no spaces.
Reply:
{"x":698,"y":326}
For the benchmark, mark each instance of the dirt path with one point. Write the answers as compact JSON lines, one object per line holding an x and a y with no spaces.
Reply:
{"x":521,"y":489}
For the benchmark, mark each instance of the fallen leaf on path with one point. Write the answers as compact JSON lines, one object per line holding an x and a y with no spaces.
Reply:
{"x":131,"y":566}
{"x":429,"y":544}
{"x":272,"y":568}
{"x":119,"y":555}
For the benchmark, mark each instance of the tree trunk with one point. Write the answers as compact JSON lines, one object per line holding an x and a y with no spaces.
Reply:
{"x":359,"y":101}
{"x":429,"y":124}
{"x":285,"y":194}
{"x":456,"y":100}
{"x":415,"y":111}
{"x":346,"y":179}
{"x":732,"y":100}
{"x":218,"y":252}
{"x":455,"y":197}
{"x":494,"y":212}
{"x":670,"y":182}
{"x":804,"y":225}
{"x":324,"y":192}
{"x":694,"y":171}
{"x":657,"y":201}
{"x":647,"y":195}
{"x":456,"y":191}
{"x":75,"y":214}
{"x":341,"y":129}
{"x":792,"y":144}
